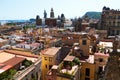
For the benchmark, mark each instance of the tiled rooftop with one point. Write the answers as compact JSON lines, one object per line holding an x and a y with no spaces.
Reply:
{"x":10,"y":63}
{"x":4,"y":68}
{"x":14,"y":61}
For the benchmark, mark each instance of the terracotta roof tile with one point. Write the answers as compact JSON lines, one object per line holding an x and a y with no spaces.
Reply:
{"x":14,"y":61}
{"x":10,"y":63}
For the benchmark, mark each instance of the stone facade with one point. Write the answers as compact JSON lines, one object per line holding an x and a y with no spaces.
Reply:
{"x":110,"y":20}
{"x":38,"y":21}
{"x":51,"y":22}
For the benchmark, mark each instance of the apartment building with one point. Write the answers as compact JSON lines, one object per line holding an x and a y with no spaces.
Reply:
{"x":49,"y":58}
{"x":110,"y":21}
{"x":68,"y":69}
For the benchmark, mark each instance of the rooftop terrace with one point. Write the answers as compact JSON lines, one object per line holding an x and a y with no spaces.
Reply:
{"x":69,"y":66}
{"x":50,"y":51}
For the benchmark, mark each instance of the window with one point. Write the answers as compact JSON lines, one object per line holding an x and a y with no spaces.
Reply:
{"x":117,"y":32}
{"x":45,"y":58}
{"x":46,"y":65}
{"x":100,"y":69}
{"x":87,"y":78}
{"x":84,"y":42}
{"x":36,"y":75}
{"x":87,"y":72}
{"x":113,"y":32}
{"x":110,"y":17}
{"x":100,"y":60}
{"x":26,"y":78}
{"x":50,"y":66}
{"x":113,"y":22}
{"x":33,"y":76}
{"x":118,"y":17}
{"x":50,"y":59}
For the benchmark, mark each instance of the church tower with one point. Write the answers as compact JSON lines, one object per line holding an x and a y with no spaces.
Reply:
{"x":112,"y":69}
{"x":52,"y":13}
{"x":52,"y":21}
{"x":45,"y":14}
{"x":38,"y":20}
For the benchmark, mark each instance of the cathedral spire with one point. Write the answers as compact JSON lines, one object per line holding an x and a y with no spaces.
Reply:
{"x":52,"y":13}
{"x":45,"y":14}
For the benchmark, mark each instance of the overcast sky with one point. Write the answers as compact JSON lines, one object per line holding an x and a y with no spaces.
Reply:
{"x":26,"y":9}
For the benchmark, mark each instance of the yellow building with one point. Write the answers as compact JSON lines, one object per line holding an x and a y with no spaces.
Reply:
{"x":92,"y":68}
{"x":88,"y":69}
{"x":86,"y":41}
{"x":49,"y":58}
{"x":66,"y":70}
{"x":101,"y":60}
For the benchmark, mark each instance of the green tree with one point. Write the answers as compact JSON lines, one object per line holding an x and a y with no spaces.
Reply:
{"x":27,"y":63}
{"x":7,"y":75}
{"x":77,"y":61}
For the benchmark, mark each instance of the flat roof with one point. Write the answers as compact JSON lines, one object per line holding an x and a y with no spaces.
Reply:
{"x":90,"y":59}
{"x":30,"y":44}
{"x":69,"y":58}
{"x":54,"y":67}
{"x":101,"y":54}
{"x":28,"y":54}
{"x":106,"y":44}
{"x":4,"y":56}
{"x":50,"y":51}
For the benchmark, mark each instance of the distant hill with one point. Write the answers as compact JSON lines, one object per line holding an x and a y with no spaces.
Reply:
{"x":93,"y":15}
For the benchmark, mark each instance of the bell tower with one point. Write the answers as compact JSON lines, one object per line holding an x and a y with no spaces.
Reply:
{"x":45,"y":14}
{"x":52,"y":13}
